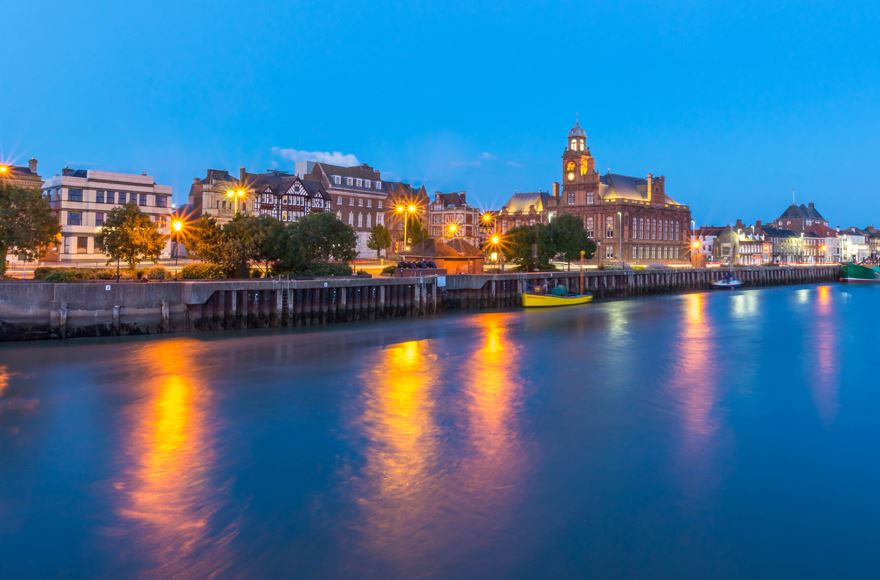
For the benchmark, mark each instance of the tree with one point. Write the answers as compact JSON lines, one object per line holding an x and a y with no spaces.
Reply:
{"x":28,"y":226}
{"x":205,"y":240}
{"x":568,"y":239}
{"x":416,"y":232}
{"x":380,"y":239}
{"x":529,"y":246}
{"x":251,"y":238}
{"x":131,"y":236}
{"x":317,"y":238}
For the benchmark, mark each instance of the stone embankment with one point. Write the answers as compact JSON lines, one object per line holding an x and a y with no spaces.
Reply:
{"x":42,"y":310}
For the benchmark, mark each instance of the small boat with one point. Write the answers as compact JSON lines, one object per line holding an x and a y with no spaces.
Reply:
{"x":851,"y":272}
{"x":536,"y":300}
{"x":727,"y":284}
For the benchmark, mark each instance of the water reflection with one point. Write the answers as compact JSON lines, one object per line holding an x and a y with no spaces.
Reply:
{"x":694,"y":379}
{"x":824,"y":381}
{"x":402,"y":447}
{"x":165,"y":492}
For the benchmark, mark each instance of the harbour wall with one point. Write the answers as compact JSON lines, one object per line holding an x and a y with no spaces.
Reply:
{"x":43,"y":310}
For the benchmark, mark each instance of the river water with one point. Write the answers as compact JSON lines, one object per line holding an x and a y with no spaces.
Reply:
{"x":720,"y":435}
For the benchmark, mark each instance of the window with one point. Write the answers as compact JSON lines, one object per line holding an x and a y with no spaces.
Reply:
{"x":349,"y":181}
{"x":378,"y":185}
{"x":380,"y":219}
{"x":379,"y":204}
{"x":337,"y":180}
{"x":591,"y":198}
{"x":120,"y":195}
{"x":609,"y":250}
{"x":351,"y":218}
{"x":635,"y":229}
{"x":351,"y":201}
{"x":368,"y":184}
{"x":590,"y":226}
{"x":99,"y":196}
{"x":82,"y":245}
{"x":99,"y":218}
{"x":359,"y":182}
{"x":142,"y":199}
{"x":635,"y":253}
{"x":161,"y":200}
{"x":338,"y":215}
{"x":360,"y":220}
{"x":570,"y":199}
{"x":609,"y":227}
{"x":74,"y":194}
{"x":338,"y":200}
{"x":369,"y":220}
{"x":74,"y":218}
{"x":360,"y":202}
{"x":369,"y":203}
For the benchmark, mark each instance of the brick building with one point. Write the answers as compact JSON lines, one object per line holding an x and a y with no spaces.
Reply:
{"x":450,"y":216}
{"x":622,"y":213}
{"x":357,"y":194}
{"x":17,"y":176}
{"x":405,"y":196}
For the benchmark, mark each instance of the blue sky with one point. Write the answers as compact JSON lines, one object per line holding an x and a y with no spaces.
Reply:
{"x":736,"y":103}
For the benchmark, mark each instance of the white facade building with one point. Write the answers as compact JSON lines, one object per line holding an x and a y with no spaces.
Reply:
{"x":82,"y":198}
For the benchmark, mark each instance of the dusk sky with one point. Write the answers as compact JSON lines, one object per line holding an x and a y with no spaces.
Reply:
{"x":736,"y":103}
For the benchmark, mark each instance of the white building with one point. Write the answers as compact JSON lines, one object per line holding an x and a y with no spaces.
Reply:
{"x":853,"y":245}
{"x":82,"y":198}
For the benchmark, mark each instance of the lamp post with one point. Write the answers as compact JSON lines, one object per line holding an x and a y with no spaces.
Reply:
{"x":406,"y":210}
{"x":176,"y":229}
{"x":235,"y":195}
{"x":495,"y":242}
{"x":452,"y":229}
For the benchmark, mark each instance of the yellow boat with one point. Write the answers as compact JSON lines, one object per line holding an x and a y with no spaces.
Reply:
{"x":532,"y":300}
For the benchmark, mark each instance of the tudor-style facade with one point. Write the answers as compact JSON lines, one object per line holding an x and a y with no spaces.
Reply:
{"x":622,"y":213}
{"x":287,"y":197}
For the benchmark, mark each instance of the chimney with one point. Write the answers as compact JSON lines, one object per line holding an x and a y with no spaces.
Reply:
{"x":555,"y":190}
{"x":242,"y":172}
{"x":463,"y":197}
{"x":758,"y":224}
{"x":650,"y":186}
{"x":739,"y":224}
{"x":32,"y":165}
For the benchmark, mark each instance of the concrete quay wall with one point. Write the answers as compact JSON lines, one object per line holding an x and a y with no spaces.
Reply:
{"x":43,"y":310}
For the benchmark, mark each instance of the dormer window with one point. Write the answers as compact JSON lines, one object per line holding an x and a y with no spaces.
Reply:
{"x":359,"y":182}
{"x":378,"y":185}
{"x":349,"y":181}
{"x":337,"y":180}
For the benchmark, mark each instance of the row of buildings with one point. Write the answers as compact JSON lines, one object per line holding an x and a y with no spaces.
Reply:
{"x":633,"y":220}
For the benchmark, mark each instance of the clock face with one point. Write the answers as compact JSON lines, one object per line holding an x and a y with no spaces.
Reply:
{"x":571,"y":175}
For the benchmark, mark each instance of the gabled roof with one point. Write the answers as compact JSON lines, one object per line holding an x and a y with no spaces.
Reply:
{"x":521,"y":202}
{"x":804,"y":212}
{"x":773,"y":232}
{"x":453,"y":199}
{"x":279,"y":183}
{"x":359,"y":171}
{"x":616,"y":186}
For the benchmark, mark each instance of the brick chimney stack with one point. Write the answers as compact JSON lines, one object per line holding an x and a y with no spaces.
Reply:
{"x":32,"y":165}
{"x":555,"y":190}
{"x":650,"y":186}
{"x":242,"y":172}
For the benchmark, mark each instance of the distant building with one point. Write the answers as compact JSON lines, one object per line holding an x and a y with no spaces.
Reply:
{"x":456,"y":256}
{"x":209,"y":196}
{"x":357,"y":195}
{"x":286,"y":197}
{"x":526,"y":209}
{"x":873,"y":238}
{"x":800,"y":218}
{"x":82,"y":198}
{"x":705,"y":238}
{"x":17,"y":176}
{"x":403,"y":195}
{"x":854,"y":245}
{"x":620,"y":212}
{"x":450,"y":216}
{"x":786,"y":245}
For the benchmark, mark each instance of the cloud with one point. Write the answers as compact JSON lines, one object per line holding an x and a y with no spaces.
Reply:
{"x":484,"y":156}
{"x":331,"y":157}
{"x":513,"y":163}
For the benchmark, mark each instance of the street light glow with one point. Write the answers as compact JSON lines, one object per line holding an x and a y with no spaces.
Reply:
{"x":496,"y":240}
{"x":487,"y":218}
{"x":177,"y":225}
{"x":411,"y":208}
{"x":4,"y":169}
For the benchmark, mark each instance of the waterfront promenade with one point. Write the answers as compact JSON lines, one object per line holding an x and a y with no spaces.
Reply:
{"x":35,"y":310}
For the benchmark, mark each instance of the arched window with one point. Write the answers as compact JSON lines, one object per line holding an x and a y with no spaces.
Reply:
{"x":360,"y":220}
{"x":338,"y":215}
{"x":351,"y":218}
{"x":369,"y":220}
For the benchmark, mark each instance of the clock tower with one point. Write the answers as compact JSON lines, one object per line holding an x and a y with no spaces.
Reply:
{"x":579,"y":175}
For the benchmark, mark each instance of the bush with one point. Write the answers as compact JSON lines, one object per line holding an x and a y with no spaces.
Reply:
{"x":256,"y":273}
{"x":326,"y":270}
{"x":363,"y":274}
{"x":47,"y":274}
{"x":390,"y":270}
{"x":202,"y":271}
{"x":157,"y":273}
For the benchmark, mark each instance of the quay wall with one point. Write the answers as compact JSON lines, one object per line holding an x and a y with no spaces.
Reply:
{"x":44,"y":310}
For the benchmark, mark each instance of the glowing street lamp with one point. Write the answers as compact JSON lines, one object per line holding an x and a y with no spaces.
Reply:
{"x":177,"y":226}
{"x":235,"y":195}
{"x":486,"y":219}
{"x":495,"y":242}
{"x":4,"y":170}
{"x":406,"y":211}
{"x":452,"y":229}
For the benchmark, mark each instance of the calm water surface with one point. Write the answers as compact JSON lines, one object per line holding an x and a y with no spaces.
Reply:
{"x":700,"y":435}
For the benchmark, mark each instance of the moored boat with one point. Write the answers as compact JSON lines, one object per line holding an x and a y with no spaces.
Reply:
{"x":534,"y":300}
{"x":727,"y":284}
{"x":851,"y":272}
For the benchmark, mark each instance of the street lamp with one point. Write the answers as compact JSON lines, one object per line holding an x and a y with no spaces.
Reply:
{"x":176,"y":230}
{"x":235,"y":195}
{"x":495,"y":243}
{"x":406,"y":211}
{"x":4,"y":169}
{"x":452,"y":229}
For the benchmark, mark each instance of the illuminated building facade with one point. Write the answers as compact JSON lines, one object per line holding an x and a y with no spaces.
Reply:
{"x":18,"y":176}
{"x":450,"y":216}
{"x":625,"y":214}
{"x":82,"y":198}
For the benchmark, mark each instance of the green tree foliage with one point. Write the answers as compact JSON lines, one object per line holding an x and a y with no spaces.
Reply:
{"x":205,"y":240}
{"x":380,"y":239}
{"x":27,"y":224}
{"x":568,"y":238}
{"x":232,"y":247}
{"x":316,"y":239}
{"x":131,"y":236}
{"x":416,"y":231}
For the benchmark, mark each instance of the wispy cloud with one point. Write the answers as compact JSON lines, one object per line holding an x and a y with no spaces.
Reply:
{"x":477,"y":162}
{"x":331,"y":157}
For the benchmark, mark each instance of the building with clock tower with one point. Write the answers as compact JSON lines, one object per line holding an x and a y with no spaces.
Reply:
{"x":631,"y":219}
